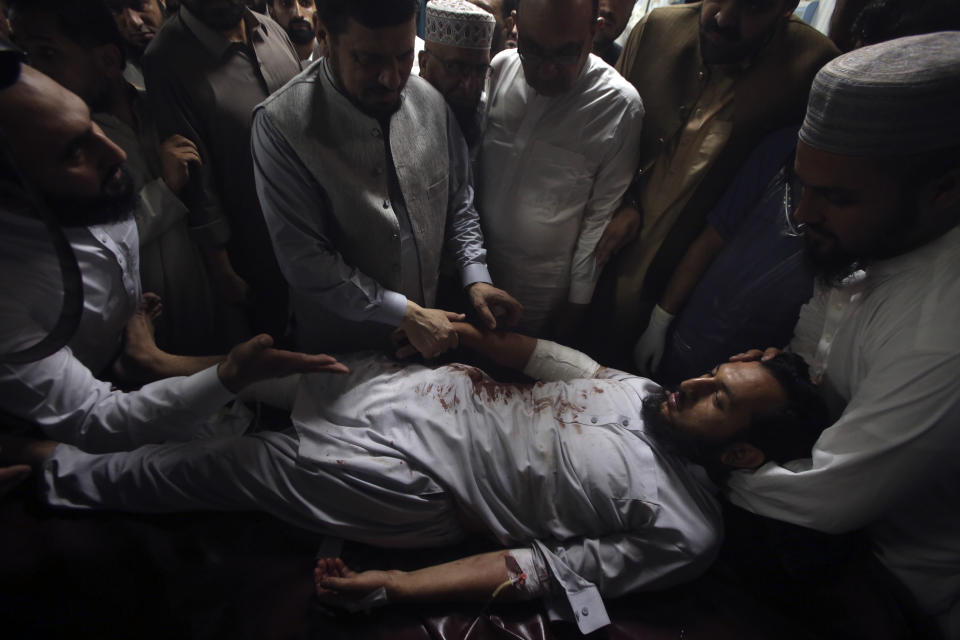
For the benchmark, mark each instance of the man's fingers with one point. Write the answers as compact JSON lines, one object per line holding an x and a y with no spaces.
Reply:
{"x":455,"y":317}
{"x":335,"y":368}
{"x":604,"y":250}
{"x":399,"y":337}
{"x":486,"y":314}
{"x":770,"y":353}
{"x":188,"y":156}
{"x":747,"y":356}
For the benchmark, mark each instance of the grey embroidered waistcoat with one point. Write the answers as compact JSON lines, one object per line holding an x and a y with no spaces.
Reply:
{"x":344,"y":149}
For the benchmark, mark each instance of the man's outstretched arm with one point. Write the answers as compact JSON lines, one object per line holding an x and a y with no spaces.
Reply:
{"x":474,"y":578}
{"x":540,"y":359}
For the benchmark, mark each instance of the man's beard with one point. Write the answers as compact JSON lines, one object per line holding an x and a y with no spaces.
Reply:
{"x":673,"y":440}
{"x":115,"y":202}
{"x":830,"y":268}
{"x":736,"y":50}
{"x":835,"y":265}
{"x":300,"y":31}
{"x":378,"y":111}
{"x":469,"y":125}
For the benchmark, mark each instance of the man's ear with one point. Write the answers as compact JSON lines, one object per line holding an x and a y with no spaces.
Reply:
{"x":422,"y":60}
{"x":742,"y":455}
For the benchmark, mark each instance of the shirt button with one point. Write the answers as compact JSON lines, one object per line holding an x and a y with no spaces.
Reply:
{"x":625,"y":422}
{"x":584,"y":612}
{"x":701,"y":75}
{"x":375,"y":132}
{"x":640,"y":172}
{"x":386,"y":204}
{"x":396,"y":236}
{"x":660,"y":140}
{"x":593,"y":420}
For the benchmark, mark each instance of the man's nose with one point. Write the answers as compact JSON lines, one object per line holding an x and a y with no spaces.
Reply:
{"x":807,"y":210}
{"x":389,"y":76}
{"x":132,"y":17}
{"x":471,"y":82}
{"x":729,"y":15}
{"x":299,"y":9}
{"x":109,"y":154}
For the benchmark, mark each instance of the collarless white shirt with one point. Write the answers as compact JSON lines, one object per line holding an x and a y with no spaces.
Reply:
{"x":61,"y":393}
{"x":552,"y":173}
{"x":887,"y":348}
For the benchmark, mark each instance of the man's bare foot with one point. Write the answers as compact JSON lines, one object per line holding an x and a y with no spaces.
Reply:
{"x":141,"y":357}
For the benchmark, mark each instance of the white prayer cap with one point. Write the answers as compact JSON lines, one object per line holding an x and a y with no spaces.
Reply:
{"x":458,"y":23}
{"x":899,"y":97}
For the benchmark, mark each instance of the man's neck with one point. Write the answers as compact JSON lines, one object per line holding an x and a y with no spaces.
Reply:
{"x":304,"y":51}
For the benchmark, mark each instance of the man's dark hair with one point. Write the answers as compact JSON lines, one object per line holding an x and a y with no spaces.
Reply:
{"x":89,"y":23}
{"x":373,"y":14}
{"x":789,"y":432}
{"x":883,"y":20}
{"x":595,"y":5}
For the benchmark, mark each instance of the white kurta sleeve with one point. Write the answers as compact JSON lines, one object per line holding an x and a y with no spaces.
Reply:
{"x":610,"y":182}
{"x":62,"y":397}
{"x":588,"y":569}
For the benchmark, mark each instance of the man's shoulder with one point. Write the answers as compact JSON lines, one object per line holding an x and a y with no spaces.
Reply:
{"x":174,"y":39}
{"x":605,"y":81}
{"x":309,"y":79}
{"x":271,"y":28}
{"x":422,"y":92}
{"x":679,"y":20}
{"x":804,"y":43}
{"x":174,"y":54}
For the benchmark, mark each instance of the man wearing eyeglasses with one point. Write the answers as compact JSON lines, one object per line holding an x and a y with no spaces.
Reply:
{"x":456,"y":60}
{"x":559,"y":150}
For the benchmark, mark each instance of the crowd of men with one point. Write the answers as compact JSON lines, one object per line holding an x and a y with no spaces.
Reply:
{"x":761,"y":227}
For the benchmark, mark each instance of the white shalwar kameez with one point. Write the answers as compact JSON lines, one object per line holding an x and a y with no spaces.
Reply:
{"x":61,"y":393}
{"x":401,"y":456}
{"x":552,"y":173}
{"x":886,"y":347}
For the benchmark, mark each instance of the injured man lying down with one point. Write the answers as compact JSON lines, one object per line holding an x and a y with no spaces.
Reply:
{"x":595,"y":482}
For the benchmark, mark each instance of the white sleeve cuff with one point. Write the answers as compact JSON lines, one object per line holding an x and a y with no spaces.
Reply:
{"x":393,"y":308}
{"x":476,"y":272}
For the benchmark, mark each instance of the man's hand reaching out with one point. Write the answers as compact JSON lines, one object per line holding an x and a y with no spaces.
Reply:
{"x":426,"y":331}
{"x":492,"y":303}
{"x":256,"y":360}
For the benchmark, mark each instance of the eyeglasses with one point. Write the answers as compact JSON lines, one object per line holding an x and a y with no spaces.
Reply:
{"x":462,"y":69}
{"x":792,"y":228}
{"x":537,"y":59}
